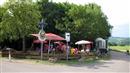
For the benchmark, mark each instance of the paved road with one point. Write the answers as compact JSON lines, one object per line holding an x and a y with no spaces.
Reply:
{"x":120,"y":63}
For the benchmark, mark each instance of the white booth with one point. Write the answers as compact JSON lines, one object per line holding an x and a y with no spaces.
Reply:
{"x":100,"y":43}
{"x":101,"y":46}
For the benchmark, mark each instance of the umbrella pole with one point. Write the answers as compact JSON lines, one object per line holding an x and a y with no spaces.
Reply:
{"x":67,"y":52}
{"x":49,"y":47}
{"x":41,"y":50}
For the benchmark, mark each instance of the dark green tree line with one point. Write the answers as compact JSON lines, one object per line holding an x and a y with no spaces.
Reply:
{"x":19,"y":18}
{"x":82,"y":21}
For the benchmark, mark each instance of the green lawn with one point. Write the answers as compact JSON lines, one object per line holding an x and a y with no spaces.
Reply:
{"x":120,"y":48}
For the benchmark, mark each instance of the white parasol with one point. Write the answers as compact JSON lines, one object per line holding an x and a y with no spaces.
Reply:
{"x":83,"y":42}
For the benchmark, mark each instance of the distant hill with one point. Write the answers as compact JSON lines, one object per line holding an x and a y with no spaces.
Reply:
{"x":119,"y":41}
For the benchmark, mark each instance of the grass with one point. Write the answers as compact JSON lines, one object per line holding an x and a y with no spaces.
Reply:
{"x":75,"y":62}
{"x":120,"y":48}
{"x":87,"y":60}
{"x":59,"y":62}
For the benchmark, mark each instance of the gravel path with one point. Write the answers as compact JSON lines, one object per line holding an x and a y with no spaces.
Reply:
{"x":119,"y":63}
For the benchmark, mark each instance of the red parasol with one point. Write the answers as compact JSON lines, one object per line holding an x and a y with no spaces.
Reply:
{"x":38,"y":41}
{"x":36,"y":35}
{"x":51,"y":36}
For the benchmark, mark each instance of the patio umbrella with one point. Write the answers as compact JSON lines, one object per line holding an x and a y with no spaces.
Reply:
{"x":51,"y":36}
{"x":83,"y":42}
{"x":38,"y":41}
{"x":36,"y":35}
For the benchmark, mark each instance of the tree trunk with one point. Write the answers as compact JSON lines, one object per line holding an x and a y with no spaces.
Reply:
{"x":23,"y":43}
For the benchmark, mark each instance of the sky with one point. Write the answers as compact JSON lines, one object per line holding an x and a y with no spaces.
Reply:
{"x":117,"y":11}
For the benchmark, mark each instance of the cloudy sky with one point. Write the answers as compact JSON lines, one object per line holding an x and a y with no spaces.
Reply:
{"x":117,"y":11}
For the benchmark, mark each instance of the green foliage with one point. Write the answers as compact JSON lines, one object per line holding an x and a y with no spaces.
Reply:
{"x":120,"y":48}
{"x":2,"y":11}
{"x":114,"y":41}
{"x":88,"y":21}
{"x":52,"y":13}
{"x":19,"y":19}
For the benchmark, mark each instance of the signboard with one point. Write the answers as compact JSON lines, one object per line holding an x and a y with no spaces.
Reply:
{"x":42,"y":36}
{"x":67,"y":37}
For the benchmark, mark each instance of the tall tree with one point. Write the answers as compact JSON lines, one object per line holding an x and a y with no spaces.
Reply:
{"x":19,"y":20}
{"x":88,"y":21}
{"x":52,"y":12}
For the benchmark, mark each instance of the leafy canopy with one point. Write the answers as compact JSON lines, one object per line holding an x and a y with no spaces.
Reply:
{"x":19,"y":18}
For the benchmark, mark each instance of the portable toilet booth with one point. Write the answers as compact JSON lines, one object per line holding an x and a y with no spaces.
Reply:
{"x":101,"y":45}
